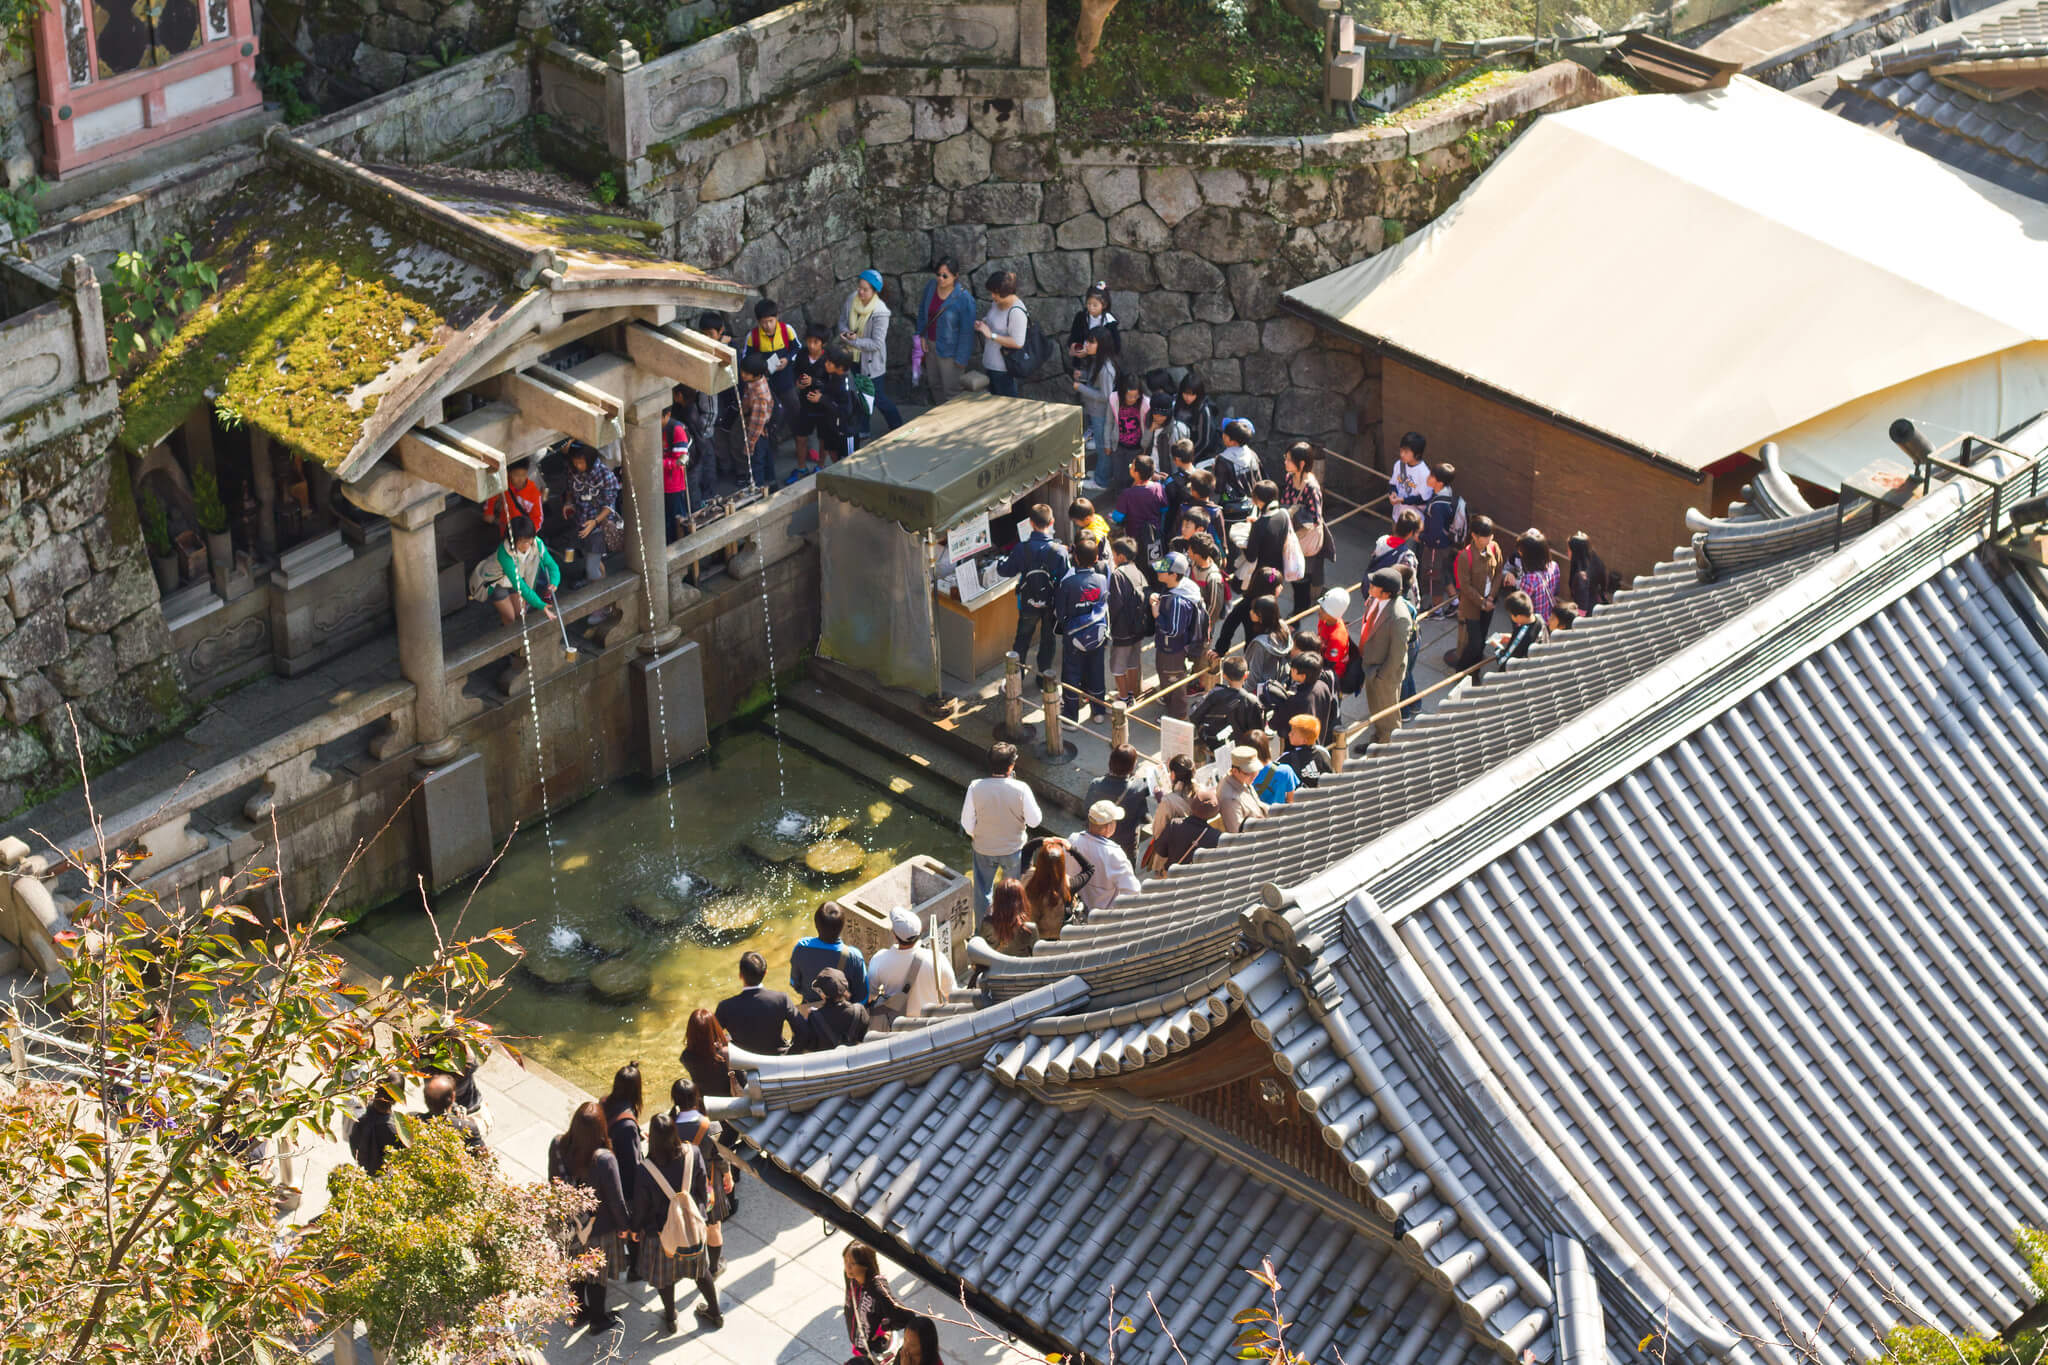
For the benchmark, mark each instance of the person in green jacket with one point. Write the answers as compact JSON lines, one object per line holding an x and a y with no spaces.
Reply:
{"x":510,"y":573}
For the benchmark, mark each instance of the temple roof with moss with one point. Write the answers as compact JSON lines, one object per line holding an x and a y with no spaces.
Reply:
{"x":351,"y":299}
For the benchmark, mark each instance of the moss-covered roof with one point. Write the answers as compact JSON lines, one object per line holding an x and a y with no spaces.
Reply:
{"x":326,"y":309}
{"x":321,"y":311}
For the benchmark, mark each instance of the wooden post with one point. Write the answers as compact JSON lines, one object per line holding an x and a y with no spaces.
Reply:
{"x":1013,"y":727}
{"x":1119,"y":723}
{"x":1049,"y":700}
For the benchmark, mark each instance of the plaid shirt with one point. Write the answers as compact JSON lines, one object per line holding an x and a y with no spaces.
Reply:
{"x":758,"y":403}
{"x":593,"y":491}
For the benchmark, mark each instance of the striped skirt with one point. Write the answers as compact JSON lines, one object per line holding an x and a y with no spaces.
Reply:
{"x":663,"y":1271}
{"x":618,"y":1254}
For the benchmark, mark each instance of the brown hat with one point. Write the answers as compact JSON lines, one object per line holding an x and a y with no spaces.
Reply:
{"x":831,"y":983}
{"x":1202,"y":803}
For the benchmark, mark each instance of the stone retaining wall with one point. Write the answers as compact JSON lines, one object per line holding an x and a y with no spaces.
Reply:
{"x":889,"y":168}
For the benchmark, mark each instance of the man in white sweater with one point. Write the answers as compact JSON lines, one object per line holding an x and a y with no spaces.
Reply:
{"x":997,"y":814}
{"x":909,"y":978}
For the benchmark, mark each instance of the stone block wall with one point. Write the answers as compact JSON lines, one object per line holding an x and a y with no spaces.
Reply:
{"x":79,"y":622}
{"x":1196,"y":241}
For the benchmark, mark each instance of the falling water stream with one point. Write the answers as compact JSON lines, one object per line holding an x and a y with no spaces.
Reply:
{"x":768,"y":638}
{"x":540,"y":768}
{"x":650,"y":564}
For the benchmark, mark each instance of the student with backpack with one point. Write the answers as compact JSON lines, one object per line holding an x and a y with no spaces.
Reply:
{"x":1182,"y":626}
{"x":1081,"y":605}
{"x":1140,"y":507}
{"x":1443,"y":532}
{"x":1004,"y":329}
{"x":1038,"y":563}
{"x":666,"y":1211}
{"x":1236,"y":468}
{"x":1130,"y":618}
{"x":775,"y":341}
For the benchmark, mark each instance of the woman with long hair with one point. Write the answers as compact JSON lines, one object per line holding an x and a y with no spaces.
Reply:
{"x":622,"y":1130}
{"x":920,"y":1343}
{"x":706,"y":1054}
{"x":1047,"y":895}
{"x":1302,"y":497}
{"x":583,"y":1157}
{"x":1180,"y":785}
{"x":872,"y":1312}
{"x":1270,"y":642}
{"x":1535,"y":572}
{"x":673,"y":1170}
{"x":1010,"y":928}
{"x":694,"y":1128}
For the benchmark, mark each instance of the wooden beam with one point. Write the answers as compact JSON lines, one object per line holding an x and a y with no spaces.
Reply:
{"x":682,"y":357}
{"x":451,"y":460}
{"x":568,"y":407}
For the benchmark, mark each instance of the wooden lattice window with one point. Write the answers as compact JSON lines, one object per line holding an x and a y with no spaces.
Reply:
{"x":119,"y":75}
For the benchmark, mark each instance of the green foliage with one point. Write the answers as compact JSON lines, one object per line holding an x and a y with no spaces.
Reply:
{"x":1931,"y":1346}
{"x":447,"y":52}
{"x":142,"y":1198}
{"x":17,"y":24}
{"x":156,"y":523}
{"x":207,"y":508}
{"x":149,"y":294}
{"x":1393,"y":231}
{"x":18,"y":204}
{"x":284,"y":83}
{"x":606,"y":189}
{"x":1189,"y":69}
{"x":441,"y":1257}
{"x":1262,"y":1331}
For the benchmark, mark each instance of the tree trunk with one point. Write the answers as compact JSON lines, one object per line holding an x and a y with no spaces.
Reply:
{"x":1094,"y":14}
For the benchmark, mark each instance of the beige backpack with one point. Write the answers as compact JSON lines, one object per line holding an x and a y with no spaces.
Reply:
{"x":684,"y":1229}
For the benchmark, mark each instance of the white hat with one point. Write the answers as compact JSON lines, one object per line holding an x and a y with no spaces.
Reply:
{"x":1105,"y":813}
{"x":903,"y":921}
{"x":1244,"y":758}
{"x":1336,"y":601}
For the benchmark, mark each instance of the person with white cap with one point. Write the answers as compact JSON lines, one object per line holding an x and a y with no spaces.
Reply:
{"x":1331,"y":630}
{"x":909,"y":978}
{"x":1097,"y":869}
{"x":1234,"y":793}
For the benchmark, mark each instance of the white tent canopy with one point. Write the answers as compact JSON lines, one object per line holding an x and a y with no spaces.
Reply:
{"x":1739,"y":267}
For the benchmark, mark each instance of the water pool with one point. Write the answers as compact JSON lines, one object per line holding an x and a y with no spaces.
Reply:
{"x":683,"y":905}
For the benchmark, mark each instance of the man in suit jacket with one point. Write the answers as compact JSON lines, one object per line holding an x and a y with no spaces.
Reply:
{"x":1383,"y":648}
{"x":757,"y":1018}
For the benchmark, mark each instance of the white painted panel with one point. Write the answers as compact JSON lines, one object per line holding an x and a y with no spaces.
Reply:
{"x":102,"y":125}
{"x":198,"y":92}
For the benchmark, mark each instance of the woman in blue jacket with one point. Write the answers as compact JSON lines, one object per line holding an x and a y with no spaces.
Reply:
{"x":945,"y":330}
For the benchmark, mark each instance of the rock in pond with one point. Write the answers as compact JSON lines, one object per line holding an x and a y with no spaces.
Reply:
{"x":619,"y":979}
{"x":834,"y":859}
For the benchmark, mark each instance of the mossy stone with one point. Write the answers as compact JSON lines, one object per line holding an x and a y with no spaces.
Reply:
{"x":728,"y":919}
{"x":834,"y":859}
{"x":620,"y":980}
{"x":660,"y":912}
{"x":608,"y":935}
{"x":556,"y":971}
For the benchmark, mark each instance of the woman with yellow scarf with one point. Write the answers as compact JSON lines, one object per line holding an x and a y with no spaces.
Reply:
{"x":864,"y":325}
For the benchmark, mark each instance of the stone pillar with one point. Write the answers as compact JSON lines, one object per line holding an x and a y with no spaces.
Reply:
{"x":416,"y":601}
{"x":263,"y":475}
{"x":646,"y":535}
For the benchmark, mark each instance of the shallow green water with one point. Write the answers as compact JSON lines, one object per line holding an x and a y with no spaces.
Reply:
{"x":685,"y":905}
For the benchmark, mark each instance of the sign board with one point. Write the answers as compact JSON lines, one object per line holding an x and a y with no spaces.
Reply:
{"x":969,"y":538}
{"x":1175,"y":737}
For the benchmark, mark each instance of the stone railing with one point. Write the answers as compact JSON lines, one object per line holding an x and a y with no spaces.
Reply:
{"x":52,"y":337}
{"x":283,"y":766}
{"x":768,"y":532}
{"x":626,"y":106}
{"x":29,"y":917}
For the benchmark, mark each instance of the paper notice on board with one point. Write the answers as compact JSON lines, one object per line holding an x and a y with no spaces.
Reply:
{"x":1023,"y":530}
{"x":968,"y":538}
{"x":1175,"y":737}
{"x":969,"y":579}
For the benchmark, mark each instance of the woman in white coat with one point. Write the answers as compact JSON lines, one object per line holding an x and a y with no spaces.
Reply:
{"x":864,"y":325}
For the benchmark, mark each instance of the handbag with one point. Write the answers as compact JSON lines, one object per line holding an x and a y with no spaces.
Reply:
{"x":1311,"y":535}
{"x":614,"y":534}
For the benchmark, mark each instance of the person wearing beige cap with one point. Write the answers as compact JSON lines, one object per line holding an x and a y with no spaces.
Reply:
{"x":1097,"y":869}
{"x":1234,"y":793}
{"x":909,"y":978}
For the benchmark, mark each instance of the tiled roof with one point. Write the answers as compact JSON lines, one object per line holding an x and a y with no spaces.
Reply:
{"x":2002,"y":141}
{"x":1045,"y":1208}
{"x":1181,"y":927}
{"x":2017,"y":29}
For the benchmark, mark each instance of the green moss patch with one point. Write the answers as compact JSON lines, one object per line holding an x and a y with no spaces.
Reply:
{"x":1174,"y":69}
{"x":319,"y":309}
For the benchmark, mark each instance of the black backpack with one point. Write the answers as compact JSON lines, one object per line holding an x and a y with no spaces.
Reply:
{"x":1027,"y":360}
{"x":1037,"y":585}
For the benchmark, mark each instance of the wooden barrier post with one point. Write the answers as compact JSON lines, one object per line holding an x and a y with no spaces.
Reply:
{"x":1056,"y":748}
{"x":1012,"y":727}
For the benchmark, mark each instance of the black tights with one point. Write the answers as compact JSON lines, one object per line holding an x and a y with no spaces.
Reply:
{"x":707,"y":1288}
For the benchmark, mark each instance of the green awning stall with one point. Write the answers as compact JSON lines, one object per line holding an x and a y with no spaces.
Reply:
{"x":957,"y":459}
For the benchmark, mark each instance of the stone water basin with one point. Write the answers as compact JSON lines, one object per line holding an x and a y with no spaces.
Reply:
{"x":638,"y":926}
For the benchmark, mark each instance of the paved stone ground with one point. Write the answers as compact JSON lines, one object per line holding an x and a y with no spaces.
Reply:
{"x":781,"y":1287}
